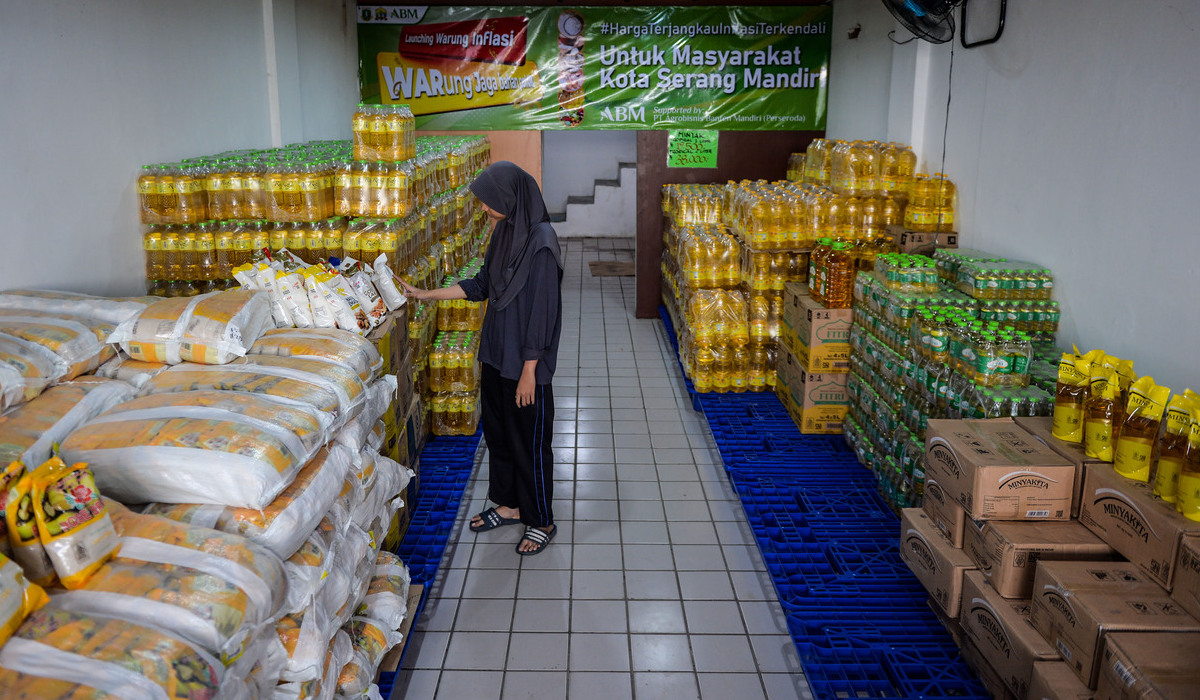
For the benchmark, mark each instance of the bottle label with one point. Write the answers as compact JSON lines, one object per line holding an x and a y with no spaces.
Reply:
{"x":1166,"y":478}
{"x":1132,"y":458}
{"x":1097,"y":439}
{"x":152,"y":243}
{"x":1188,"y":496}
{"x":1020,"y":364}
{"x":1068,"y":422}
{"x":147,"y":186}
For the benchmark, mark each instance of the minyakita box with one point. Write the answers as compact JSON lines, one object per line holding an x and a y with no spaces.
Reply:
{"x":998,"y":471}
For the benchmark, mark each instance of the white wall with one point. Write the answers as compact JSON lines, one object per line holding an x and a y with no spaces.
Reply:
{"x":1074,"y":144}
{"x":574,"y":160}
{"x":860,"y":70}
{"x":93,"y":90}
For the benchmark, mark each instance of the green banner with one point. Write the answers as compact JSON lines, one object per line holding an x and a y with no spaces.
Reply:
{"x":714,"y":67}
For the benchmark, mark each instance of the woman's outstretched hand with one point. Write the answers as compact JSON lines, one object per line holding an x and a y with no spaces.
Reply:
{"x":411,"y":291}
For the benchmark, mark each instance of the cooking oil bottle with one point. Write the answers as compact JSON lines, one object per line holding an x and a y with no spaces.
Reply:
{"x":1098,"y":414}
{"x":1188,"y":492}
{"x":1070,"y":396}
{"x":1139,"y":433}
{"x":1174,"y":445}
{"x":840,"y":266}
{"x":156,"y":266}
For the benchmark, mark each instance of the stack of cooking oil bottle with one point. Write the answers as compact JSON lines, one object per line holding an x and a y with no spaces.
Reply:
{"x":206,"y":216}
{"x":924,"y":344}
{"x":452,"y":389}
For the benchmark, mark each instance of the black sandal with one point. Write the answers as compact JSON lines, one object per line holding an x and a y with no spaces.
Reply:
{"x":491,"y":521}
{"x":537,"y":536}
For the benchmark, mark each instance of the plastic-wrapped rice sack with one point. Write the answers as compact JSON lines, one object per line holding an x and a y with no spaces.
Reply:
{"x":19,"y":598}
{"x":387,"y":596}
{"x":315,"y":381}
{"x":210,"y":329}
{"x":220,"y":447}
{"x":337,"y":653}
{"x":26,"y":369}
{"x":308,"y":568}
{"x":103,"y":309}
{"x":371,"y":640}
{"x":201,"y":585}
{"x":62,"y":655}
{"x":28,"y":432}
{"x":129,"y":370}
{"x":305,"y":636}
{"x":283,"y":525}
{"x":383,"y":480}
{"x":360,"y":581}
{"x":79,"y":341}
{"x":343,"y":347}
{"x":262,"y":663}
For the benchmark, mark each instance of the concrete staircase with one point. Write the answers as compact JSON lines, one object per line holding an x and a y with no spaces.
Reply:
{"x":609,"y":212}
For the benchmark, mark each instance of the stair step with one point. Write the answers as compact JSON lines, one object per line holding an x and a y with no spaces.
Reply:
{"x":558,"y":218}
{"x":627,"y":165}
{"x":580,"y":199}
{"x":609,"y":183}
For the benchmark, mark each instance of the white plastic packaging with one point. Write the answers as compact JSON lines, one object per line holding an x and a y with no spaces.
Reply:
{"x":340,"y":346}
{"x":387,"y":595}
{"x":385,"y":282}
{"x":285,"y":524}
{"x":211,"y":328}
{"x":29,"y":432}
{"x":112,"y":311}
{"x":219,"y":447}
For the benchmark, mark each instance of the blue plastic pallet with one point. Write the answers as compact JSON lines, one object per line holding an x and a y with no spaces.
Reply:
{"x":860,"y":620}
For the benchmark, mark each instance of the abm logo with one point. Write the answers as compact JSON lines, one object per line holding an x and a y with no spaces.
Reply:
{"x":623,"y":114}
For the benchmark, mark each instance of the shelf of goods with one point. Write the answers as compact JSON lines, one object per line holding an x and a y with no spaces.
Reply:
{"x":963,"y":334}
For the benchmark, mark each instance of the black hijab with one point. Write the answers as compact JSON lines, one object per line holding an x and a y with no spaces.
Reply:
{"x":524,"y":230}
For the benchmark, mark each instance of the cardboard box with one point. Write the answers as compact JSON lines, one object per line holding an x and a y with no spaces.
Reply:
{"x":1149,"y":666}
{"x":953,"y":627}
{"x":1186,"y":586}
{"x":922,"y":243}
{"x":817,"y":402}
{"x":1006,"y":552}
{"x":1054,"y":680}
{"x":1040,"y":428}
{"x":1126,"y":515}
{"x":947,"y":516}
{"x":997,"y":471}
{"x":937,"y":565}
{"x":820,"y":337}
{"x":1000,"y":629}
{"x":983,"y":668}
{"x":1077,"y":603}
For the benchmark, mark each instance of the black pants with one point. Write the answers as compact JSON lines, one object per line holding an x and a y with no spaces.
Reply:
{"x":518,"y":442}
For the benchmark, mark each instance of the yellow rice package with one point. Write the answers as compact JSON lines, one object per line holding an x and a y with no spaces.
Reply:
{"x":288,"y":520}
{"x":30,"y":431}
{"x":317,"y":382}
{"x":220,"y":447}
{"x":72,"y":521}
{"x":1138,"y":442}
{"x":152,"y":538}
{"x":342,"y":347}
{"x":210,"y":329}
{"x":387,"y":594}
{"x":371,"y":641}
{"x":103,"y":309}
{"x":63,"y":655}
{"x":18,"y":597}
{"x":1070,"y":395}
{"x":24,"y":536}
{"x":10,"y":475}
{"x":134,"y":372}
{"x":1099,"y":409}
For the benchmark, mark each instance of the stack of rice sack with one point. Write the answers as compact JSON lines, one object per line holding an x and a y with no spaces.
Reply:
{"x":51,"y":337}
{"x":264,"y":501}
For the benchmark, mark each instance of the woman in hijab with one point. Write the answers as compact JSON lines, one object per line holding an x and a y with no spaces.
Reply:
{"x":521,"y":279}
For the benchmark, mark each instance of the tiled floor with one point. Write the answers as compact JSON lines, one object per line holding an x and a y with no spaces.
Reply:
{"x":654,"y":587}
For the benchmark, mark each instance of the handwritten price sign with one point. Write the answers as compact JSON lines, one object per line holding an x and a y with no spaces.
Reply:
{"x":692,"y":148}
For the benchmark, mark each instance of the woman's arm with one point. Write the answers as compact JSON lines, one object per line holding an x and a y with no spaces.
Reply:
{"x":454,"y":291}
